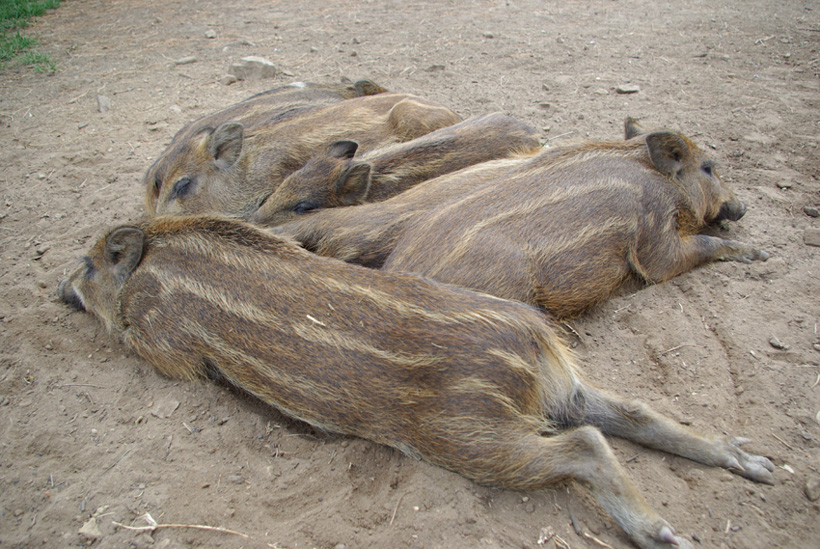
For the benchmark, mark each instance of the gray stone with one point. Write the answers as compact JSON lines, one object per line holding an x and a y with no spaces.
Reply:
{"x":165,"y":408}
{"x":185,"y":60}
{"x":210,"y":34}
{"x":103,"y":103}
{"x":228,"y":79}
{"x":811,"y":211}
{"x":812,"y":488}
{"x":90,"y":530}
{"x":628,"y":88}
{"x":777,"y":344}
{"x":253,"y":68}
{"x":811,"y":237}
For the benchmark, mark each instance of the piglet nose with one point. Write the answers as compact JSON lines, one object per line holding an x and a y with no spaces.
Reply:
{"x":732,"y":211}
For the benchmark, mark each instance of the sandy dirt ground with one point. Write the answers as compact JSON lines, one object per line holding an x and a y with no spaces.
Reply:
{"x":91,"y":436}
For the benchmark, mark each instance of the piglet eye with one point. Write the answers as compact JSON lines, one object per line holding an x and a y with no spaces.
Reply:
{"x":304,"y":207}
{"x":182,"y":187}
{"x":707,"y":168}
{"x":90,"y":269}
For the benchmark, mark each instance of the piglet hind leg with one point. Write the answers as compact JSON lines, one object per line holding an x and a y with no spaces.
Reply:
{"x":637,"y":422}
{"x":584,"y":455}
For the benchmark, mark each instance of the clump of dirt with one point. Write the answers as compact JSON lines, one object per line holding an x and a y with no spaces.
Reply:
{"x":92,"y":436}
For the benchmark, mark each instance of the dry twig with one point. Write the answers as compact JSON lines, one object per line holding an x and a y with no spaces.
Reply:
{"x":396,"y":508}
{"x":152,"y":525}
{"x":596,"y":541}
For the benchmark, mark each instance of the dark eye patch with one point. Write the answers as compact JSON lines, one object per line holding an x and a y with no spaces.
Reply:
{"x":182,"y":188}
{"x":707,"y":167}
{"x":304,"y":207}
{"x":90,"y":269}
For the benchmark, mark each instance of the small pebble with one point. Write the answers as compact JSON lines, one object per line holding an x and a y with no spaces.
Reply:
{"x":210,"y":34}
{"x":236,"y":479}
{"x":90,"y":530}
{"x":236,"y":43}
{"x":811,"y":237}
{"x":228,"y":79}
{"x":103,"y":103}
{"x":628,"y":88}
{"x":253,"y":68}
{"x":811,"y":211}
{"x":185,"y":60}
{"x":777,"y":344}
{"x":812,"y":488}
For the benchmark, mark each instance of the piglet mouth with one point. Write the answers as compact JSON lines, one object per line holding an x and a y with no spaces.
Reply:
{"x":731,"y":210}
{"x":68,"y":296}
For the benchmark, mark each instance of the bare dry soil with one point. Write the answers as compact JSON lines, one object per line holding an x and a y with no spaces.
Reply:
{"x":89,"y":431}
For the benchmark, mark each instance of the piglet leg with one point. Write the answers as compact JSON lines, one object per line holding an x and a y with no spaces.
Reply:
{"x":672,"y":254}
{"x":528,"y":461}
{"x":637,"y":422}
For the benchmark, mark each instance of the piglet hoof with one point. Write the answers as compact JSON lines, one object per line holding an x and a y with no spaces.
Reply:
{"x":747,"y":254}
{"x":759,"y":255}
{"x":742,"y":253}
{"x":663,"y":537}
{"x":757,"y":468}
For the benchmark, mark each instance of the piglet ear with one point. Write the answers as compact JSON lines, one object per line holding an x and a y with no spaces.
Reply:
{"x":225,"y":144}
{"x":668,"y":151}
{"x":354,"y":185}
{"x":123,"y":252}
{"x":632,"y":128}
{"x":343,"y":149}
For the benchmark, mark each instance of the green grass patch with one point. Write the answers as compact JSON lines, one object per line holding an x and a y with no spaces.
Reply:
{"x":15,"y":15}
